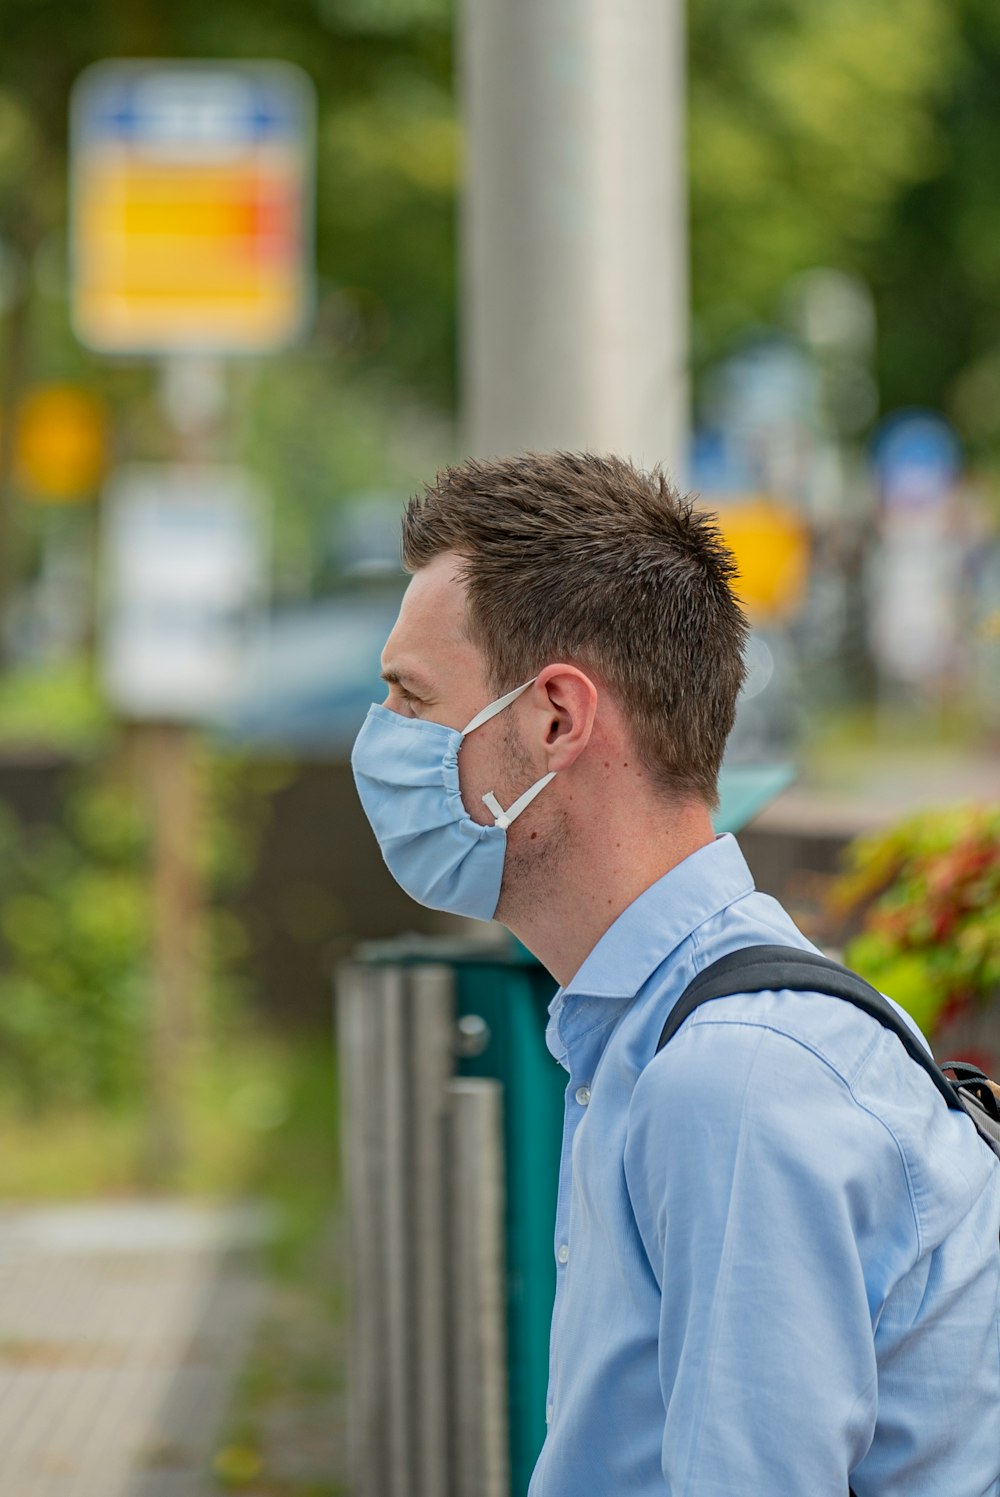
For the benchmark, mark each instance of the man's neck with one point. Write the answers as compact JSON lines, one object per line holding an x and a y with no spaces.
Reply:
{"x":596,"y":880}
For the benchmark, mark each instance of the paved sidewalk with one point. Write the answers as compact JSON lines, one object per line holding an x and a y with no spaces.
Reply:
{"x":122,"y":1329}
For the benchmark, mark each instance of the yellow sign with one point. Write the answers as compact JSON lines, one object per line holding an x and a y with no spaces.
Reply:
{"x":771,"y":546}
{"x":60,"y":443}
{"x":191,"y":212}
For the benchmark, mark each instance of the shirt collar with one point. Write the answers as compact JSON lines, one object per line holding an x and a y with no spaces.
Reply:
{"x":661,"y":918}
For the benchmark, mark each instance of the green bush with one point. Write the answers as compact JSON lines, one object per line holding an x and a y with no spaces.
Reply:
{"x":924,"y":901}
{"x":75,"y":933}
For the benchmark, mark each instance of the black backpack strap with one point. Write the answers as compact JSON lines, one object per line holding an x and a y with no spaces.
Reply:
{"x":759,"y":969}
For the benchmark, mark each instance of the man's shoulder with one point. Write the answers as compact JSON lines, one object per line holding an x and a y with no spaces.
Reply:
{"x":830,"y":1026}
{"x":812,"y":1075}
{"x":801,"y":1036}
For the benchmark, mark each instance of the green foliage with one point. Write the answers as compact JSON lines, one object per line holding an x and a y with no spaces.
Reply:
{"x":370,"y":438}
{"x":858,"y":134}
{"x":387,"y":147}
{"x":73,"y":930}
{"x":337,"y":416}
{"x":938,"y":291}
{"x":259,"y":1120}
{"x":58,"y":709}
{"x":75,"y":935}
{"x":926,"y":894}
{"x":807,"y":123}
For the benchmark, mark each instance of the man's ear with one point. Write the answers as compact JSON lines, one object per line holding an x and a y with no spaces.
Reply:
{"x":565,"y":701}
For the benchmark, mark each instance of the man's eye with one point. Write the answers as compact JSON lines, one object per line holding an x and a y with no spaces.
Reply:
{"x":408,"y":699}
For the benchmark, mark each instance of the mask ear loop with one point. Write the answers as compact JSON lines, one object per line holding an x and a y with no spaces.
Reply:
{"x":504,"y":818}
{"x":495,"y":707}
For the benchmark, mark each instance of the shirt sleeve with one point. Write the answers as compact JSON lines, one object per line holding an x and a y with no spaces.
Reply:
{"x":776,"y":1213}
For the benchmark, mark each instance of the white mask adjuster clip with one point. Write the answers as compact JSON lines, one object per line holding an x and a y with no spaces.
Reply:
{"x":503,"y":818}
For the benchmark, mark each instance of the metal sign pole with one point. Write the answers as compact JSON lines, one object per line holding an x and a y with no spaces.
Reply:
{"x":193,"y":397}
{"x":168,"y":767}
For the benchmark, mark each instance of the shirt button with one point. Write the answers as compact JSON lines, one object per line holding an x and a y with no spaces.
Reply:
{"x":563,"y":1253}
{"x":583,"y":1095}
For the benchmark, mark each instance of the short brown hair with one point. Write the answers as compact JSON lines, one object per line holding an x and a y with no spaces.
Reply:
{"x":585,"y":558}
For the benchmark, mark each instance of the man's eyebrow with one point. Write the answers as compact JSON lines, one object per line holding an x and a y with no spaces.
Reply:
{"x":405,"y":679}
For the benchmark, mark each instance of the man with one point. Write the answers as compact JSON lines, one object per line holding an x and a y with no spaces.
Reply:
{"x":776,"y":1248}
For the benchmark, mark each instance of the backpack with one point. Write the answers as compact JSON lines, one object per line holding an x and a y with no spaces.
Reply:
{"x":757,"y":969}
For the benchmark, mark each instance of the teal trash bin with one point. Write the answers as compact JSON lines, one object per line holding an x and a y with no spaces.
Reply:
{"x":502,"y":996}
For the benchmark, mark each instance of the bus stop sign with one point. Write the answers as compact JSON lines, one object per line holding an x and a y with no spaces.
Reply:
{"x":191,"y":207}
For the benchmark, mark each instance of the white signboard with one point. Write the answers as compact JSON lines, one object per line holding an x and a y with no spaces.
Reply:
{"x":184,"y":560}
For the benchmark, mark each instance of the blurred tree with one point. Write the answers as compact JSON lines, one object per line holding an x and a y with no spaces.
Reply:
{"x":75,"y":932}
{"x":937,"y":279}
{"x":808,"y":124}
{"x":386,"y":168}
{"x":857,"y":133}
{"x":386,"y":133}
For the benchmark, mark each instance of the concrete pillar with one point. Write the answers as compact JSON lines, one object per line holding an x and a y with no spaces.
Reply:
{"x":574,"y":227}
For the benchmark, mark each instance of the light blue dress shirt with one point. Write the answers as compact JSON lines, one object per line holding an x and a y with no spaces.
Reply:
{"x":776,"y":1247}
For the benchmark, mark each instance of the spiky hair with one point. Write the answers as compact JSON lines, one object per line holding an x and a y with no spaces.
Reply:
{"x":584,"y":558}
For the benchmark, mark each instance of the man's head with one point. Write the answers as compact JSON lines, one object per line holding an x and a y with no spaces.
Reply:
{"x":585,"y":559}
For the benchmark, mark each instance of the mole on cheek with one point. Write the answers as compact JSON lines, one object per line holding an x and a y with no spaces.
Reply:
{"x":533,"y":836}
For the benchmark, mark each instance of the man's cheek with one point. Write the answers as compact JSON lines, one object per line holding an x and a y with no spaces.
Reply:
{"x":471,"y":782}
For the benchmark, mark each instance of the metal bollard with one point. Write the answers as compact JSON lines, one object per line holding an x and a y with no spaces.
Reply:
{"x":479,"y":1328}
{"x":423,"y":1160}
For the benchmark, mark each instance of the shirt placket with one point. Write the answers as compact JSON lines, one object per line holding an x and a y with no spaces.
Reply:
{"x":581,"y":1056}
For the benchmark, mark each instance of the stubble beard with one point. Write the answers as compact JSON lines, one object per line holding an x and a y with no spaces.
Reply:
{"x":535,"y":843}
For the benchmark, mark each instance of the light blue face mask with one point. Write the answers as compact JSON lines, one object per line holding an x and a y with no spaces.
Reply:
{"x":406,"y":772}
